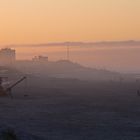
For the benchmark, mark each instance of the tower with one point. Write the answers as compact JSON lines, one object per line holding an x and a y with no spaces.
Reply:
{"x":68,"y":52}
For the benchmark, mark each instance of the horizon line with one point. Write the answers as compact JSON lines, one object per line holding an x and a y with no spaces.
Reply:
{"x":74,"y":43}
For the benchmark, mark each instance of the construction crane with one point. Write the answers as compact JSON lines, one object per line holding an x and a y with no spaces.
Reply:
{"x":2,"y":90}
{"x":8,"y":91}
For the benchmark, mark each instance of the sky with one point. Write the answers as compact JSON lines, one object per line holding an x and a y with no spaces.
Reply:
{"x":42,"y":21}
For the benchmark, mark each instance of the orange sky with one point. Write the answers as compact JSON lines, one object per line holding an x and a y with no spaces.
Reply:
{"x":41,"y":21}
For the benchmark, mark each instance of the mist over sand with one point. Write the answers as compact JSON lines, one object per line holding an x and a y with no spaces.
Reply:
{"x":56,"y":108}
{"x":117,"y":58}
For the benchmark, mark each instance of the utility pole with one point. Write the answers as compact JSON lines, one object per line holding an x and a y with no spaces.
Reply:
{"x":68,"y":52}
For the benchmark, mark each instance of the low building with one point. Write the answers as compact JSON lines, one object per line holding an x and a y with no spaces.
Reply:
{"x":40,"y":58}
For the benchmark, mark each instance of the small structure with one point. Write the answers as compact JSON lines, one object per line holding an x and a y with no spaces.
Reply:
{"x":40,"y":58}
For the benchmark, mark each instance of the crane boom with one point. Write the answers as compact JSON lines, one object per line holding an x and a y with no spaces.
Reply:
{"x":12,"y":86}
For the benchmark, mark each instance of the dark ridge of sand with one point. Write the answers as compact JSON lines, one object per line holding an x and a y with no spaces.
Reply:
{"x":74,"y":110}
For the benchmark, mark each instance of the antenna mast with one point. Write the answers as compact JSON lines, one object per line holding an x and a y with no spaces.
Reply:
{"x":68,"y":52}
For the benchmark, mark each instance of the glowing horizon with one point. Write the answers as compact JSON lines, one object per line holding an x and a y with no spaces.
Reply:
{"x":37,"y":21}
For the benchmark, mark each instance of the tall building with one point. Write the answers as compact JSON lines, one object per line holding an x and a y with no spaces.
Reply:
{"x":7,"y":56}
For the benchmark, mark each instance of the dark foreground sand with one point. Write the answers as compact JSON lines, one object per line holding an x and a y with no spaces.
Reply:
{"x":83,"y":111}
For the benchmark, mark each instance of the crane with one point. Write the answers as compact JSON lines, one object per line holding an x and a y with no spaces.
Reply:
{"x":2,"y":90}
{"x":9,"y":89}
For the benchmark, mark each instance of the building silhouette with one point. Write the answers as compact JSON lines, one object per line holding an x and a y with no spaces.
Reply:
{"x":7,"y":56}
{"x":40,"y":58}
